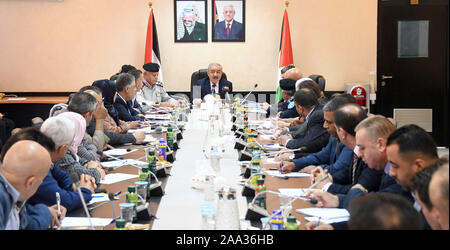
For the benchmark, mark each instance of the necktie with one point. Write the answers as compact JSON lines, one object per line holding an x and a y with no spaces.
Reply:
{"x":355,"y":163}
{"x":213,"y":90}
{"x":228,"y":29}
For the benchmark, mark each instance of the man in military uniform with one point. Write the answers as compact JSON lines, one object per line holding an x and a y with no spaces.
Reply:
{"x":153,"y":92}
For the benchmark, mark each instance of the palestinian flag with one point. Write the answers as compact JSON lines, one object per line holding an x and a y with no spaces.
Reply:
{"x":151,"y":45}
{"x":285,"y":56}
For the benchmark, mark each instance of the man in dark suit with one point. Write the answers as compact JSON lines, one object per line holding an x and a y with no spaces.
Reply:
{"x":214,"y":84}
{"x":126,"y":89}
{"x":315,"y":136}
{"x":229,"y":28}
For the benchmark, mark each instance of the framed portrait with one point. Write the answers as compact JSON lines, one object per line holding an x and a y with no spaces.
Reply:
{"x":228,"y":20}
{"x":190,"y":21}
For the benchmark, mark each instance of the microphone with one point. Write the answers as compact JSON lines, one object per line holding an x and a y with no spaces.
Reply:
{"x":255,"y":212}
{"x":111,"y":199}
{"x":245,"y":98}
{"x":75,"y":176}
{"x":155,"y":188}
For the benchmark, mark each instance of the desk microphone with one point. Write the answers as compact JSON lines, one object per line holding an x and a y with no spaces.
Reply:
{"x":75,"y":176}
{"x":245,"y":98}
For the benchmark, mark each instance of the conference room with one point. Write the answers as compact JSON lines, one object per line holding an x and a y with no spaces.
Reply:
{"x":295,"y":115}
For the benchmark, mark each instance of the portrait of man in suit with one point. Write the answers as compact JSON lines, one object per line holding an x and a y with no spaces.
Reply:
{"x":229,"y":24}
{"x":190,"y":22}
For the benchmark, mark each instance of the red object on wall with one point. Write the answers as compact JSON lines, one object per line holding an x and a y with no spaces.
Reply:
{"x":360,"y":95}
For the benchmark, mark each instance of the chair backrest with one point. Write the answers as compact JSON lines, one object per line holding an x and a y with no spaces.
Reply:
{"x":199,"y":74}
{"x":320,"y":80}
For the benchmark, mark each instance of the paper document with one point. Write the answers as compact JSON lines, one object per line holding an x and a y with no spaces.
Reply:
{"x":147,"y":130}
{"x":117,"y":177}
{"x":158,"y":116}
{"x":274,"y":147}
{"x":276,"y":173}
{"x":293,"y":191}
{"x":84,"y":222}
{"x":325,"y":213}
{"x":120,"y":163}
{"x":118,"y":151}
{"x":266,"y":137}
{"x":99,"y":197}
{"x":272,"y":161}
{"x":149,"y":138}
{"x":328,"y":221}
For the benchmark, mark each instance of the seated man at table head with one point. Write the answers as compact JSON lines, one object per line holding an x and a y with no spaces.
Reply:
{"x":24,"y":167}
{"x":153,"y":92}
{"x":438,"y":190}
{"x":126,"y":89}
{"x":214,"y":84}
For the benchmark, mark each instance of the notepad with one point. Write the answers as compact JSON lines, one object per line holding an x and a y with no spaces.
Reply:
{"x":328,"y":221}
{"x":69,"y":222}
{"x":99,"y":197}
{"x":158,"y":116}
{"x":325,"y":213}
{"x":276,"y":173}
{"x":117,"y":177}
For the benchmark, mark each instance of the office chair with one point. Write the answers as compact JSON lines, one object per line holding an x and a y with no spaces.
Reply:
{"x":320,"y":80}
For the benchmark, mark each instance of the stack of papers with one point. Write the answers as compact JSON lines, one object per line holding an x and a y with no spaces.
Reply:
{"x":327,"y":215}
{"x":118,"y":151}
{"x":293,"y":191}
{"x":98,"y":197}
{"x":158,"y":116}
{"x":120,"y":163}
{"x":273,"y":147}
{"x":276,"y":173}
{"x":117,"y":177}
{"x":69,"y":222}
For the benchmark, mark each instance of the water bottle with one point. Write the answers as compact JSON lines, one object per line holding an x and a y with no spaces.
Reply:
{"x":227,"y":214}
{"x":209,"y":188}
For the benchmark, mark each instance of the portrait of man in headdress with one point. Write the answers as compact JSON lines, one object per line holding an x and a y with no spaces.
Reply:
{"x":190,"y":22}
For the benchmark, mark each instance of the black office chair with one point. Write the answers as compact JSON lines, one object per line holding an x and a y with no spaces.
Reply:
{"x":320,"y":80}
{"x":197,"y":75}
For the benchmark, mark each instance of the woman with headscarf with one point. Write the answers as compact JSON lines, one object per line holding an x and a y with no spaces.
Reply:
{"x":71,"y":162}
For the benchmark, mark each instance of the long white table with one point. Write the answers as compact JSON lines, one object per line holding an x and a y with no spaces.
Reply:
{"x":180,"y":206}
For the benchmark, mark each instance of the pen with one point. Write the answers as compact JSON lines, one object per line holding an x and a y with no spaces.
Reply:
{"x":281,"y":166}
{"x":318,"y":222}
{"x":58,"y":203}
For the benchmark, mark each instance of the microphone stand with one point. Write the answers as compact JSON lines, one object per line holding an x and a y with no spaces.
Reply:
{"x":245,"y":98}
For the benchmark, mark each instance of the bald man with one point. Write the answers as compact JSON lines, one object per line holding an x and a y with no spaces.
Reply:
{"x":438,"y":191}
{"x":24,"y":167}
{"x":294,"y":74}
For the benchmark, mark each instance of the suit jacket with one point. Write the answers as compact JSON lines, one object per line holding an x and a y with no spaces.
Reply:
{"x":315,"y":137}
{"x":333,"y":157}
{"x":205,"y":85}
{"x":388,"y":185}
{"x":126,"y":113}
{"x":236,"y":31}
{"x":290,"y":111}
{"x":343,"y":179}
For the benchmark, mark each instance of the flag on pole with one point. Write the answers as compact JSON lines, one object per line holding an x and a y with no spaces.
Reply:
{"x":285,"y":56}
{"x":151,"y":44}
{"x":216,"y":16}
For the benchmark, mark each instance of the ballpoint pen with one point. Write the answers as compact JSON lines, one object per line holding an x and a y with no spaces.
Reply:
{"x":58,"y":203}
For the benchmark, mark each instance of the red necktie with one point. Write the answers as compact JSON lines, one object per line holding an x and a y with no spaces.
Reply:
{"x":228,"y":29}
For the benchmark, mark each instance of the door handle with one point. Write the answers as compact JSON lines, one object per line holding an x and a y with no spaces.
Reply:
{"x":383,"y":77}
